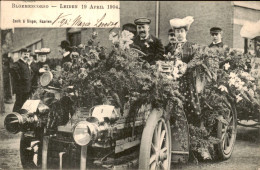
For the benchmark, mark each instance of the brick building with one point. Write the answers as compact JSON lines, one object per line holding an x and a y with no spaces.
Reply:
{"x":228,"y":15}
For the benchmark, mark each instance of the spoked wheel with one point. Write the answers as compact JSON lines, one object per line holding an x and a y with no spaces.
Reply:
{"x":227,"y":134}
{"x":30,"y":152}
{"x":155,"y":149}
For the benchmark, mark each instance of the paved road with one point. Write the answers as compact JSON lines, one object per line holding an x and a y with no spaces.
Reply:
{"x":246,"y":155}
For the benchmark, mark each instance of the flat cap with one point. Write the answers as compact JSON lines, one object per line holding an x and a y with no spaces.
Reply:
{"x":171,"y":31}
{"x":142,"y":21}
{"x":25,"y":50}
{"x":215,"y":30}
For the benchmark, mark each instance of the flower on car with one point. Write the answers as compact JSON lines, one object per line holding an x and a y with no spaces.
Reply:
{"x":114,"y":37}
{"x":238,"y":98}
{"x":226,"y":66}
{"x":223,"y":88}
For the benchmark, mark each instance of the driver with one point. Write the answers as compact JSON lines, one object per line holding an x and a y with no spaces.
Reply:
{"x":149,"y":44}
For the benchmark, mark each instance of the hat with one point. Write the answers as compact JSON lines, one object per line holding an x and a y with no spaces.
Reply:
{"x":43,"y":51}
{"x":250,"y":30}
{"x":25,"y":50}
{"x":130,"y":27}
{"x":142,"y":21}
{"x":34,"y":56}
{"x":64,"y":44}
{"x":171,"y":31}
{"x":182,"y":23}
{"x":215,"y":30}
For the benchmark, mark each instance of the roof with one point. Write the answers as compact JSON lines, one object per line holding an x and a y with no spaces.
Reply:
{"x":26,"y":45}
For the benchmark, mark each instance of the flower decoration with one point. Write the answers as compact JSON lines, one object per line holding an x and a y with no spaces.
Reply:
{"x":238,"y":98}
{"x":146,"y":44}
{"x":126,"y":39}
{"x":226,"y":66}
{"x":223,"y":88}
{"x":114,"y":37}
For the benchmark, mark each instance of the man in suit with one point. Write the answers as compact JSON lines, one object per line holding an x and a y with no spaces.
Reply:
{"x":22,"y":76}
{"x":150,"y":45}
{"x":65,"y":51}
{"x":35,"y":69}
{"x":216,"y":34}
{"x":170,"y":47}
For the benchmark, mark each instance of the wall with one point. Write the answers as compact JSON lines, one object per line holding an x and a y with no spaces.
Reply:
{"x":206,"y":15}
{"x":51,"y":38}
{"x":130,"y":10}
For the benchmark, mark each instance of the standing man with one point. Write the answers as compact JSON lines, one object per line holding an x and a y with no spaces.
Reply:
{"x":150,"y":45}
{"x":216,"y":34}
{"x":65,"y":51}
{"x":170,"y":48}
{"x":35,"y":69}
{"x":7,"y":61}
{"x":22,"y":76}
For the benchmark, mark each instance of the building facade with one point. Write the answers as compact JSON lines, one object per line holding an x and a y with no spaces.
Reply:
{"x":228,"y":15}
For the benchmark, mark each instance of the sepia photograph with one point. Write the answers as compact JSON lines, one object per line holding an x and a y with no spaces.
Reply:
{"x":142,"y":85}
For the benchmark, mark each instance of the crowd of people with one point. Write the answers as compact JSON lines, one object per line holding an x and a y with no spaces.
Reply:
{"x":27,"y":70}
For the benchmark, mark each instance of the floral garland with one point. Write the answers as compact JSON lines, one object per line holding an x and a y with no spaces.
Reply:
{"x":226,"y":81}
{"x":122,"y":77}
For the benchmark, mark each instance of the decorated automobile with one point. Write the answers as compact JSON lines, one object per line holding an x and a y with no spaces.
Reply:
{"x":118,"y":111}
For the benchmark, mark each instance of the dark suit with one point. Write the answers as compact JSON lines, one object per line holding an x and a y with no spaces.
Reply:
{"x":152,"y":47}
{"x":218,"y":45}
{"x":22,"y":76}
{"x":170,"y":48}
{"x":35,"y":77}
{"x":187,"y":51}
{"x":66,"y":58}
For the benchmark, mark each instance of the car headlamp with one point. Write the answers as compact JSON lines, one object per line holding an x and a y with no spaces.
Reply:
{"x":83,"y":133}
{"x":46,"y":78}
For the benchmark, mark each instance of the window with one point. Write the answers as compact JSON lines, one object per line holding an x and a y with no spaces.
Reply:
{"x":74,"y":35}
{"x":35,"y":46}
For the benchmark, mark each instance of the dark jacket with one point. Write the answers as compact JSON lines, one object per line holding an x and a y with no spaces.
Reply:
{"x":218,"y":45}
{"x":36,"y":74}
{"x":65,"y":59}
{"x":152,"y":47}
{"x":22,"y":76}
{"x":187,"y":51}
{"x":170,"y":48}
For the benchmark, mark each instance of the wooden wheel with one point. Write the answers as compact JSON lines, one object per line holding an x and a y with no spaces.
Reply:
{"x":227,"y":132}
{"x":155,"y":149}
{"x":30,"y":152}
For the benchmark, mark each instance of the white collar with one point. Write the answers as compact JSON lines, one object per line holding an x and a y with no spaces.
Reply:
{"x":66,"y":53}
{"x":217,"y":42}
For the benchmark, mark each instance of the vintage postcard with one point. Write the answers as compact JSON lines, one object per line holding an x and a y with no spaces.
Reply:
{"x":130,"y":85}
